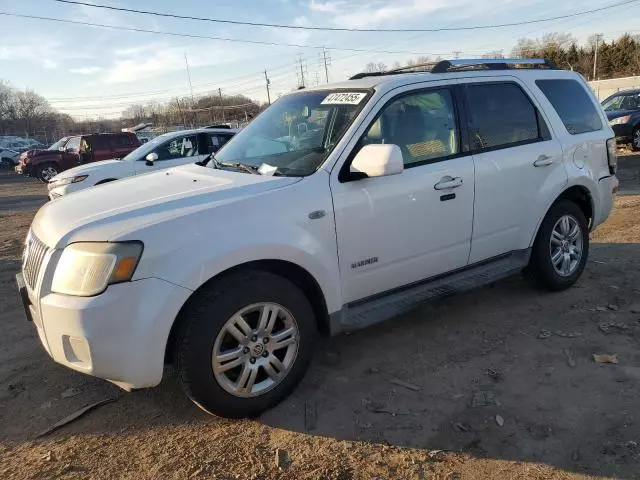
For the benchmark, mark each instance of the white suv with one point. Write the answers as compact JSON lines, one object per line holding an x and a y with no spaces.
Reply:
{"x":164,"y":151}
{"x":338,"y":207}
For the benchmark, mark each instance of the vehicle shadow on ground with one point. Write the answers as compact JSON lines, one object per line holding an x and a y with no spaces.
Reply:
{"x":504,"y":372}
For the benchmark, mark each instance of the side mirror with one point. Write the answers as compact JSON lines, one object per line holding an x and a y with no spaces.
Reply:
{"x":151,"y":158}
{"x":377,"y":161}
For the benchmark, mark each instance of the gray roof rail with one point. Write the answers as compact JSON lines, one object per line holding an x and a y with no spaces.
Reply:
{"x":445,"y":66}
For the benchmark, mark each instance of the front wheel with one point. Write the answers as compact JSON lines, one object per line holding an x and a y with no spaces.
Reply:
{"x":46,"y":172}
{"x":561,"y":248}
{"x":635,"y":139}
{"x":244,"y":343}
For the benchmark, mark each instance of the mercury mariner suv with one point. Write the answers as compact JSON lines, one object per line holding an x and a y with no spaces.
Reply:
{"x":338,"y":207}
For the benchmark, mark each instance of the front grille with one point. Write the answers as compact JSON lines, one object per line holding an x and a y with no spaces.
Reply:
{"x":34,"y":252}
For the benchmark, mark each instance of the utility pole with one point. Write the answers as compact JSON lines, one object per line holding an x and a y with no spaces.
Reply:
{"x":595,"y":56}
{"x":268,"y":82}
{"x":325,"y":59}
{"x":303,"y":67}
{"x":186,"y":61}
{"x":221,"y":107}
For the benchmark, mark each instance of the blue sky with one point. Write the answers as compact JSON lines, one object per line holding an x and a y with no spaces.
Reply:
{"x":110,"y":69}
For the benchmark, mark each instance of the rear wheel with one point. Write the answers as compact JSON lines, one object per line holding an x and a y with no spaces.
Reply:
{"x":46,"y":172}
{"x":245,"y":343}
{"x":561,"y":248}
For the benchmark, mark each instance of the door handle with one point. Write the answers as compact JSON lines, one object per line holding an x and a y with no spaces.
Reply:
{"x":448,"y":182}
{"x":543,"y":161}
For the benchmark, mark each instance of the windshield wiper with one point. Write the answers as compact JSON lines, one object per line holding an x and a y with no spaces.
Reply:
{"x":237,"y":165}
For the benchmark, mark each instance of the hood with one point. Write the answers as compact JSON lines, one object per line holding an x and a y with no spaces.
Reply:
{"x":31,"y":154}
{"x":613,"y":114}
{"x":114,"y":210}
{"x":103,"y":168}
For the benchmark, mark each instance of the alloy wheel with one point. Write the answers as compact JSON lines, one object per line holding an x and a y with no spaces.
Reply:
{"x":255,"y":349}
{"x":565,"y":245}
{"x":48,"y":173}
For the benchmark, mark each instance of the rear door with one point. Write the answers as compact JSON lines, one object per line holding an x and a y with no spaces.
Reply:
{"x":518,"y":164}
{"x":121,"y":145}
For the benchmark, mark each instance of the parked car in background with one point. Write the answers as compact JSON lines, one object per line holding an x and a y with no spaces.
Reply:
{"x":8,"y":158}
{"x":623,"y":113}
{"x":164,"y":151}
{"x":72,"y":151}
{"x":421,"y":185}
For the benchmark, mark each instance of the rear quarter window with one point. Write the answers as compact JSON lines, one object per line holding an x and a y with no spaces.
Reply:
{"x":573,"y":105}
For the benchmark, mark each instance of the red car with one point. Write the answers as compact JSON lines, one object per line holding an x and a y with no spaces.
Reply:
{"x":69,"y":152}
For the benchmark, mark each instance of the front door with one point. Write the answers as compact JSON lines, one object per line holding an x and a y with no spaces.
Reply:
{"x":396,"y":230}
{"x":177,"y":151}
{"x":518,"y":165}
{"x":70,"y":156}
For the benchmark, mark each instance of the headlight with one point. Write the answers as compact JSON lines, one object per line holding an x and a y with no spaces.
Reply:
{"x":86,"y":269}
{"x":620,"y":120}
{"x":66,"y":181}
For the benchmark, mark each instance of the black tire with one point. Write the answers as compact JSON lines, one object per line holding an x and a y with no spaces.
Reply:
{"x":634,"y":147}
{"x":203,"y":318}
{"x":43,"y":172}
{"x":540,"y":270}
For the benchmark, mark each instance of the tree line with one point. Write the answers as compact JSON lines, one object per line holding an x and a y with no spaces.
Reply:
{"x":28,"y":114}
{"x":617,"y":58}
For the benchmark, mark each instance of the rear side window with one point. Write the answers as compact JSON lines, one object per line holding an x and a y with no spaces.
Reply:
{"x":215,"y":141}
{"x":124,"y":141}
{"x":500,"y":116}
{"x":573,"y":105}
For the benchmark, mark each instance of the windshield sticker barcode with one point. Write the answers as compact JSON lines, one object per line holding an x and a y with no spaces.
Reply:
{"x":344,"y":98}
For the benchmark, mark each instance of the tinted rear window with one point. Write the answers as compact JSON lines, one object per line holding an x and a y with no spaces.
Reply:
{"x":573,"y":105}
{"x":500,"y":115}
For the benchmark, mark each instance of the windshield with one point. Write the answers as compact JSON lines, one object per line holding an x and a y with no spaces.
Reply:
{"x":142,"y":151}
{"x":58,"y":145}
{"x":296,"y":134}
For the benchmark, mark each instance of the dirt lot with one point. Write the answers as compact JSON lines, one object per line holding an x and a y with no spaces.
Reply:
{"x":506,"y":387}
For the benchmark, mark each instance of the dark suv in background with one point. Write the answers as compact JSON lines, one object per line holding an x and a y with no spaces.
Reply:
{"x":623,"y":112}
{"x":69,"y":152}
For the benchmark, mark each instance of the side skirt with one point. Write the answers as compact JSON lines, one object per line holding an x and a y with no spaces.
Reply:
{"x":380,"y":307}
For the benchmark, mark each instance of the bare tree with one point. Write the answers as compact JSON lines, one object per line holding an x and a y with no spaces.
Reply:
{"x":372,"y":67}
{"x":30,"y":107}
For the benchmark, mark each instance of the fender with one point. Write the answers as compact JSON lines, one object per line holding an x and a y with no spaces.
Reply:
{"x":585,"y":182}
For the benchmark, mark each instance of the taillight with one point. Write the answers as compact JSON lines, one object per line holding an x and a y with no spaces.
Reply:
{"x":612,"y":155}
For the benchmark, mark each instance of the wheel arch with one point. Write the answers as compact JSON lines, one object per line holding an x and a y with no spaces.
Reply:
{"x":291,"y":271}
{"x":578,"y":194}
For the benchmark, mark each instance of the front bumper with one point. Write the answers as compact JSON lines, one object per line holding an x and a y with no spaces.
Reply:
{"x":119,"y":335}
{"x":22,"y":169}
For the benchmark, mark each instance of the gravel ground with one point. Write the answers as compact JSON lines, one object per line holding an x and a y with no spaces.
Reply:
{"x":502,"y":381}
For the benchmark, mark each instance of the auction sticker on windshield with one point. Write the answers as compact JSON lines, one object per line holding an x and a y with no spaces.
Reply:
{"x":344,"y":98}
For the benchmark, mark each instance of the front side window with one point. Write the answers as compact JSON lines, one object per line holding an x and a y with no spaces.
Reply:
{"x":422,"y":124}
{"x":178,"y":148}
{"x":297,"y":133}
{"x":573,"y":105}
{"x":59,"y":144}
{"x":500,"y":116}
{"x":73,"y":144}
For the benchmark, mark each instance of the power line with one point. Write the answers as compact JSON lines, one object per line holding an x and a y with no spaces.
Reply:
{"x":340,"y":29}
{"x":204,"y":37}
